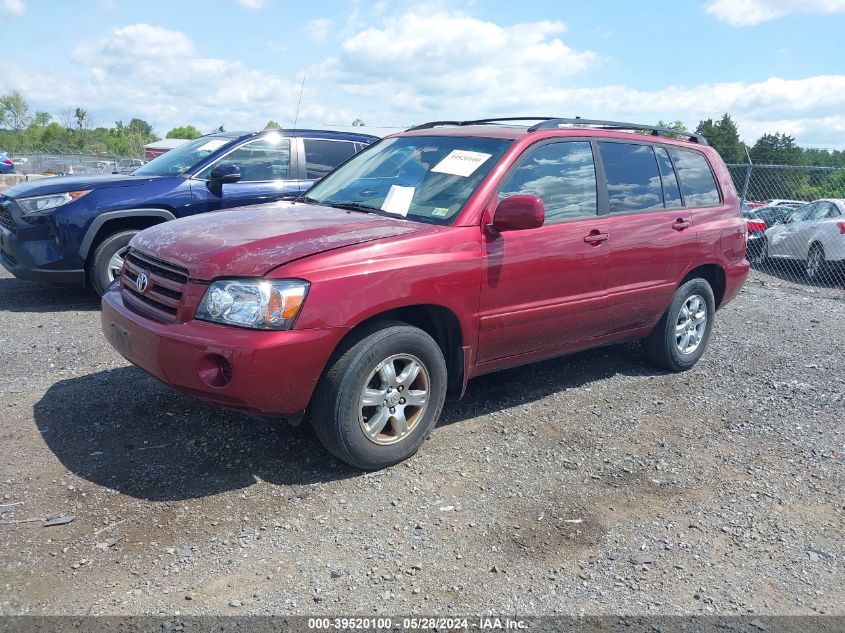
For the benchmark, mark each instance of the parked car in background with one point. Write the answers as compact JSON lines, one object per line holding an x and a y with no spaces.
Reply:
{"x":128,"y":165}
{"x":439,"y":254}
{"x":76,"y":229}
{"x":758,"y":220}
{"x":7,"y":165}
{"x":813,"y":234}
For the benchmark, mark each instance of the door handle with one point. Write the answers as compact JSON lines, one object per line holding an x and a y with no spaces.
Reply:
{"x":596,"y":237}
{"x":680,"y":224}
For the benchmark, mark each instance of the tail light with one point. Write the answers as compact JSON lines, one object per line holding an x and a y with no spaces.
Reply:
{"x":841,"y":226}
{"x":756,"y":225}
{"x":8,"y":161}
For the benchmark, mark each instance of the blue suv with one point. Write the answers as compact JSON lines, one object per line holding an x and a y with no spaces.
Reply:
{"x":76,"y":229}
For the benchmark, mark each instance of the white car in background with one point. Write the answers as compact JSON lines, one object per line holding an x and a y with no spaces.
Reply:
{"x":814,"y":234}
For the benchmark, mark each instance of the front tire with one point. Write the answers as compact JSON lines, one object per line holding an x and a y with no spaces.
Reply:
{"x":816,"y":265}
{"x":381,"y":398}
{"x":682,"y":335}
{"x":107,"y":260}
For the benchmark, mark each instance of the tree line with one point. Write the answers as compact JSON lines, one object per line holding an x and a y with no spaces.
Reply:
{"x":774,"y":148}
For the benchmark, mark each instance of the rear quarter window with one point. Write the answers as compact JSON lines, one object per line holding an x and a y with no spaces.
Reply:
{"x":697,"y":182}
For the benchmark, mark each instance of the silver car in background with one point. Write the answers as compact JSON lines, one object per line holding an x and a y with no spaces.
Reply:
{"x":813,"y":234}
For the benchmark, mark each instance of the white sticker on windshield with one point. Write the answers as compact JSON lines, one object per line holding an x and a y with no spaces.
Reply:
{"x":398,"y":200}
{"x":460,"y":162}
{"x":212,"y":145}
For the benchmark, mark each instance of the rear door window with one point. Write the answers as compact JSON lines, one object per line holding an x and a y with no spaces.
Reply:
{"x":633,"y":182}
{"x":323,"y":155}
{"x":697,"y":182}
{"x":671,"y":191}
{"x":563,"y":175}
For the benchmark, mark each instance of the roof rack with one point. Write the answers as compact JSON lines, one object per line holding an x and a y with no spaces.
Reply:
{"x":550,"y":123}
{"x":431,"y":124}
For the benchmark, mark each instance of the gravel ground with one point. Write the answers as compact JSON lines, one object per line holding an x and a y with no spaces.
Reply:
{"x":589,"y":484}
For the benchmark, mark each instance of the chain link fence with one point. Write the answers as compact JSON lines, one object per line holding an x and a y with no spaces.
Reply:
{"x":796,"y":222}
{"x":73,"y":163}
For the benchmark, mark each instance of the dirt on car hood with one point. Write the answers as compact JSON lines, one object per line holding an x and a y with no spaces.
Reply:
{"x":251,"y":241}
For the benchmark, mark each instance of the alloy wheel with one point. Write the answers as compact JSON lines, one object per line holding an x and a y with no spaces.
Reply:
{"x":691,"y":324}
{"x":394,"y":399}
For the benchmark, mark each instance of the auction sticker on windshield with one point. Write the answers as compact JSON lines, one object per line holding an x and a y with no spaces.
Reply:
{"x":212,"y":145}
{"x":461,"y":162}
{"x":398,"y":200}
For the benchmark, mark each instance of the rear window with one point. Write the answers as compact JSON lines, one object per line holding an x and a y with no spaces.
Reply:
{"x":633,"y":182}
{"x":697,"y":182}
{"x":321,"y":156}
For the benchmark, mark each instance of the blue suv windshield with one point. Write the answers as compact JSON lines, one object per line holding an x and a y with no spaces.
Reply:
{"x":183,"y":157}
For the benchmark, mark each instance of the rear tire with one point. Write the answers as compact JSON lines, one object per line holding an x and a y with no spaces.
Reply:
{"x":682,"y":335}
{"x":104,"y":265}
{"x":381,"y":397}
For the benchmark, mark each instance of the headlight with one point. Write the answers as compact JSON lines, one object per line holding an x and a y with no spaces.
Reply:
{"x":39,"y":204}
{"x":262,"y":304}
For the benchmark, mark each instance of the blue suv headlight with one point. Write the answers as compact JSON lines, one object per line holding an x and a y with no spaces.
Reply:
{"x":40,"y":204}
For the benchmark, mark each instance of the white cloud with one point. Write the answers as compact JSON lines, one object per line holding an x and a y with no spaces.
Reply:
{"x":142,"y":70}
{"x":319,"y":29}
{"x":252,"y":5}
{"x":421,"y":59}
{"x":751,"y":12}
{"x":12,"y":8}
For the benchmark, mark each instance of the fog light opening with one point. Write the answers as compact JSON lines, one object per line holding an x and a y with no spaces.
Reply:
{"x":214,"y":370}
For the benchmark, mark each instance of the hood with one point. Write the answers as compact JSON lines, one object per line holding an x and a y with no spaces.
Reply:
{"x":251,"y":241}
{"x":58,"y":184}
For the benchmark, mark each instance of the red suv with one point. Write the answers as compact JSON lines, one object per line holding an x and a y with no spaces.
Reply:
{"x":440,"y":253}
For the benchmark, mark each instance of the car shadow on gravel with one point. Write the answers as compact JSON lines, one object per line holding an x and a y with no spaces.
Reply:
{"x":18,"y":295}
{"x":528,"y":383}
{"x":124,"y":430}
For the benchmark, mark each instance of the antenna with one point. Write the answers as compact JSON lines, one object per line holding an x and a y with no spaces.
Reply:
{"x":298,"y":103}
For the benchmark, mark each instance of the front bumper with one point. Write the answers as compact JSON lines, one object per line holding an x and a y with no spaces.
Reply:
{"x":20,"y":259}
{"x":271,"y":373}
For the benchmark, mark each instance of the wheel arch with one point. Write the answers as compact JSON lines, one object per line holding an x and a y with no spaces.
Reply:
{"x":438,"y":321}
{"x":714,"y":274}
{"x":113,"y":221}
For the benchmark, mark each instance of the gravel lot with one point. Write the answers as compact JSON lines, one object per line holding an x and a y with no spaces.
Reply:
{"x":588,"y":484}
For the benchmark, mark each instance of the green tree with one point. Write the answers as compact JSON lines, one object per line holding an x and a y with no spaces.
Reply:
{"x":272,"y":125}
{"x":185,"y":131}
{"x":15,"y":114}
{"x":723,"y":135}
{"x":776,"y":149}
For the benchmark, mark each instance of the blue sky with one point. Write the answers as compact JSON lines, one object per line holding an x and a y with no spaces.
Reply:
{"x":774,"y":64}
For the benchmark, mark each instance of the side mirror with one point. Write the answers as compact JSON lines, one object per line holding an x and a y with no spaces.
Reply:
{"x":223,"y":174}
{"x":518,"y":213}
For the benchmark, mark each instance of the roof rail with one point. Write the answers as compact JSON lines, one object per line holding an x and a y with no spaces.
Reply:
{"x":431,"y":124}
{"x":553,"y":123}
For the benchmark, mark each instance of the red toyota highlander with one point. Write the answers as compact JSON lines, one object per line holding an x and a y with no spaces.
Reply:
{"x":437,"y":254}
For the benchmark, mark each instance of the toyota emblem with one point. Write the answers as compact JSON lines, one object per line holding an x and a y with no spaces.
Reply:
{"x":141,"y":282}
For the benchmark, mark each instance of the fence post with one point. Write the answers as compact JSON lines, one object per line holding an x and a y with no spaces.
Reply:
{"x":744,"y":196}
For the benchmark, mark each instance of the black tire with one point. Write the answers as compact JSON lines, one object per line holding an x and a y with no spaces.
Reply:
{"x":335,"y":412}
{"x":815,"y":273}
{"x":98,"y":264}
{"x":662,"y":346}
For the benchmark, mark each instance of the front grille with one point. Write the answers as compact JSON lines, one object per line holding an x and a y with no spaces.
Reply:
{"x":6,"y":218}
{"x":165,"y":286}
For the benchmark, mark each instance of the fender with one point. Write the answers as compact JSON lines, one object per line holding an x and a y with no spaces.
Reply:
{"x":101,"y":219}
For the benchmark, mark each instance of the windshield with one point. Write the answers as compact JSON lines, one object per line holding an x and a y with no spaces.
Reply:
{"x":423,"y":178}
{"x":183,"y":157}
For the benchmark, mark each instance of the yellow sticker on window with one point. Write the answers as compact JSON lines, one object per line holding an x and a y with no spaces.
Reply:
{"x":440,"y":212}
